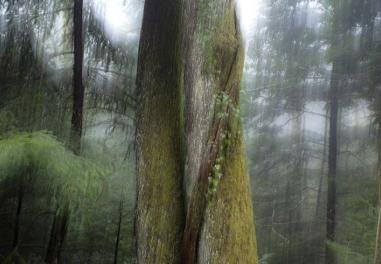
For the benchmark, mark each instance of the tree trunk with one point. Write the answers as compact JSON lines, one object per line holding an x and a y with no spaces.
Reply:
{"x":219,"y":224}
{"x":16,"y":229}
{"x":377,"y":257}
{"x":57,"y":234}
{"x":332,"y":159}
{"x":51,"y":250}
{"x":378,"y":231}
{"x":63,"y":230}
{"x":322,"y":168}
{"x":78,"y":88}
{"x":160,"y":206}
{"x":118,"y":232}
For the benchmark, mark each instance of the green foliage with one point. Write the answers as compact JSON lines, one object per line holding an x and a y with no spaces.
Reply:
{"x":14,"y":258}
{"x":51,"y":166}
{"x":266,"y":259}
{"x":360,"y":214}
{"x":344,"y":255}
{"x":7,"y":122}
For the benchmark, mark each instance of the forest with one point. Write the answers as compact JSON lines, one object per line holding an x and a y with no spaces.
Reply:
{"x":190,"y":131}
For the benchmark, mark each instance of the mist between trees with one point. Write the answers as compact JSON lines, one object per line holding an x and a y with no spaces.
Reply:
{"x":190,"y":131}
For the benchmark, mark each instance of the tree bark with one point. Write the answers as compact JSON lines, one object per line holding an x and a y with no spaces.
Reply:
{"x":219,"y":224}
{"x":78,"y":88}
{"x":160,"y":207}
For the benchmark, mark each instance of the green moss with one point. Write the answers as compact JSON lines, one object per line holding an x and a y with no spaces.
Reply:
{"x":231,"y":240}
{"x":341,"y":254}
{"x":160,"y":185}
{"x":14,"y":258}
{"x":160,"y":212}
{"x":220,"y":44}
{"x":228,"y":232}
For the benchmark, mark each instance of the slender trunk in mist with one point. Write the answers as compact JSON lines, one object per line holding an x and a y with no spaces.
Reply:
{"x":160,"y":205}
{"x":78,"y":88}
{"x":288,"y":219}
{"x":117,"y":241}
{"x":322,"y":166}
{"x":57,"y":234}
{"x":332,"y":159}
{"x":219,"y":224}
{"x":377,"y":257}
{"x":22,"y":185}
{"x":294,"y":195}
{"x":20,"y":200}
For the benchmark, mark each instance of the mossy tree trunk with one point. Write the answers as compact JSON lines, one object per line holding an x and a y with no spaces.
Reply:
{"x":160,"y":211}
{"x":219,"y":224}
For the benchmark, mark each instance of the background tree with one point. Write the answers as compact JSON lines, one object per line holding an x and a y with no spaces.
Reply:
{"x":78,"y":88}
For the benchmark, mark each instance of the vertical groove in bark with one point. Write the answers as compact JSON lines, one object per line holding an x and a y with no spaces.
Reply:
{"x":78,"y":88}
{"x":219,"y":225}
{"x":160,"y":206}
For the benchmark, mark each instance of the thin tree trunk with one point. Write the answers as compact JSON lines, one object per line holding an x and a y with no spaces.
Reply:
{"x":16,"y":229}
{"x":63,"y":230}
{"x":332,"y":159}
{"x":219,"y":224}
{"x":50,"y":252}
{"x":322,"y":167}
{"x":118,"y":232}
{"x":378,"y":232}
{"x":288,"y":219}
{"x":377,"y":259}
{"x":58,"y":235}
{"x":20,"y":201}
{"x":160,"y":205}
{"x":78,"y":88}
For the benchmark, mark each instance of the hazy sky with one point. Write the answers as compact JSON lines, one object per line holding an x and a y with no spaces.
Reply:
{"x":248,"y":11}
{"x":122,"y":17}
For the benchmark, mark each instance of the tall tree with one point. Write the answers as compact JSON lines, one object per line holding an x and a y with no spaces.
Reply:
{"x":377,"y":257}
{"x":160,"y":208}
{"x":78,"y":88}
{"x":219,"y":224}
{"x":117,"y":240}
{"x":332,"y":154}
{"x":375,"y":83}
